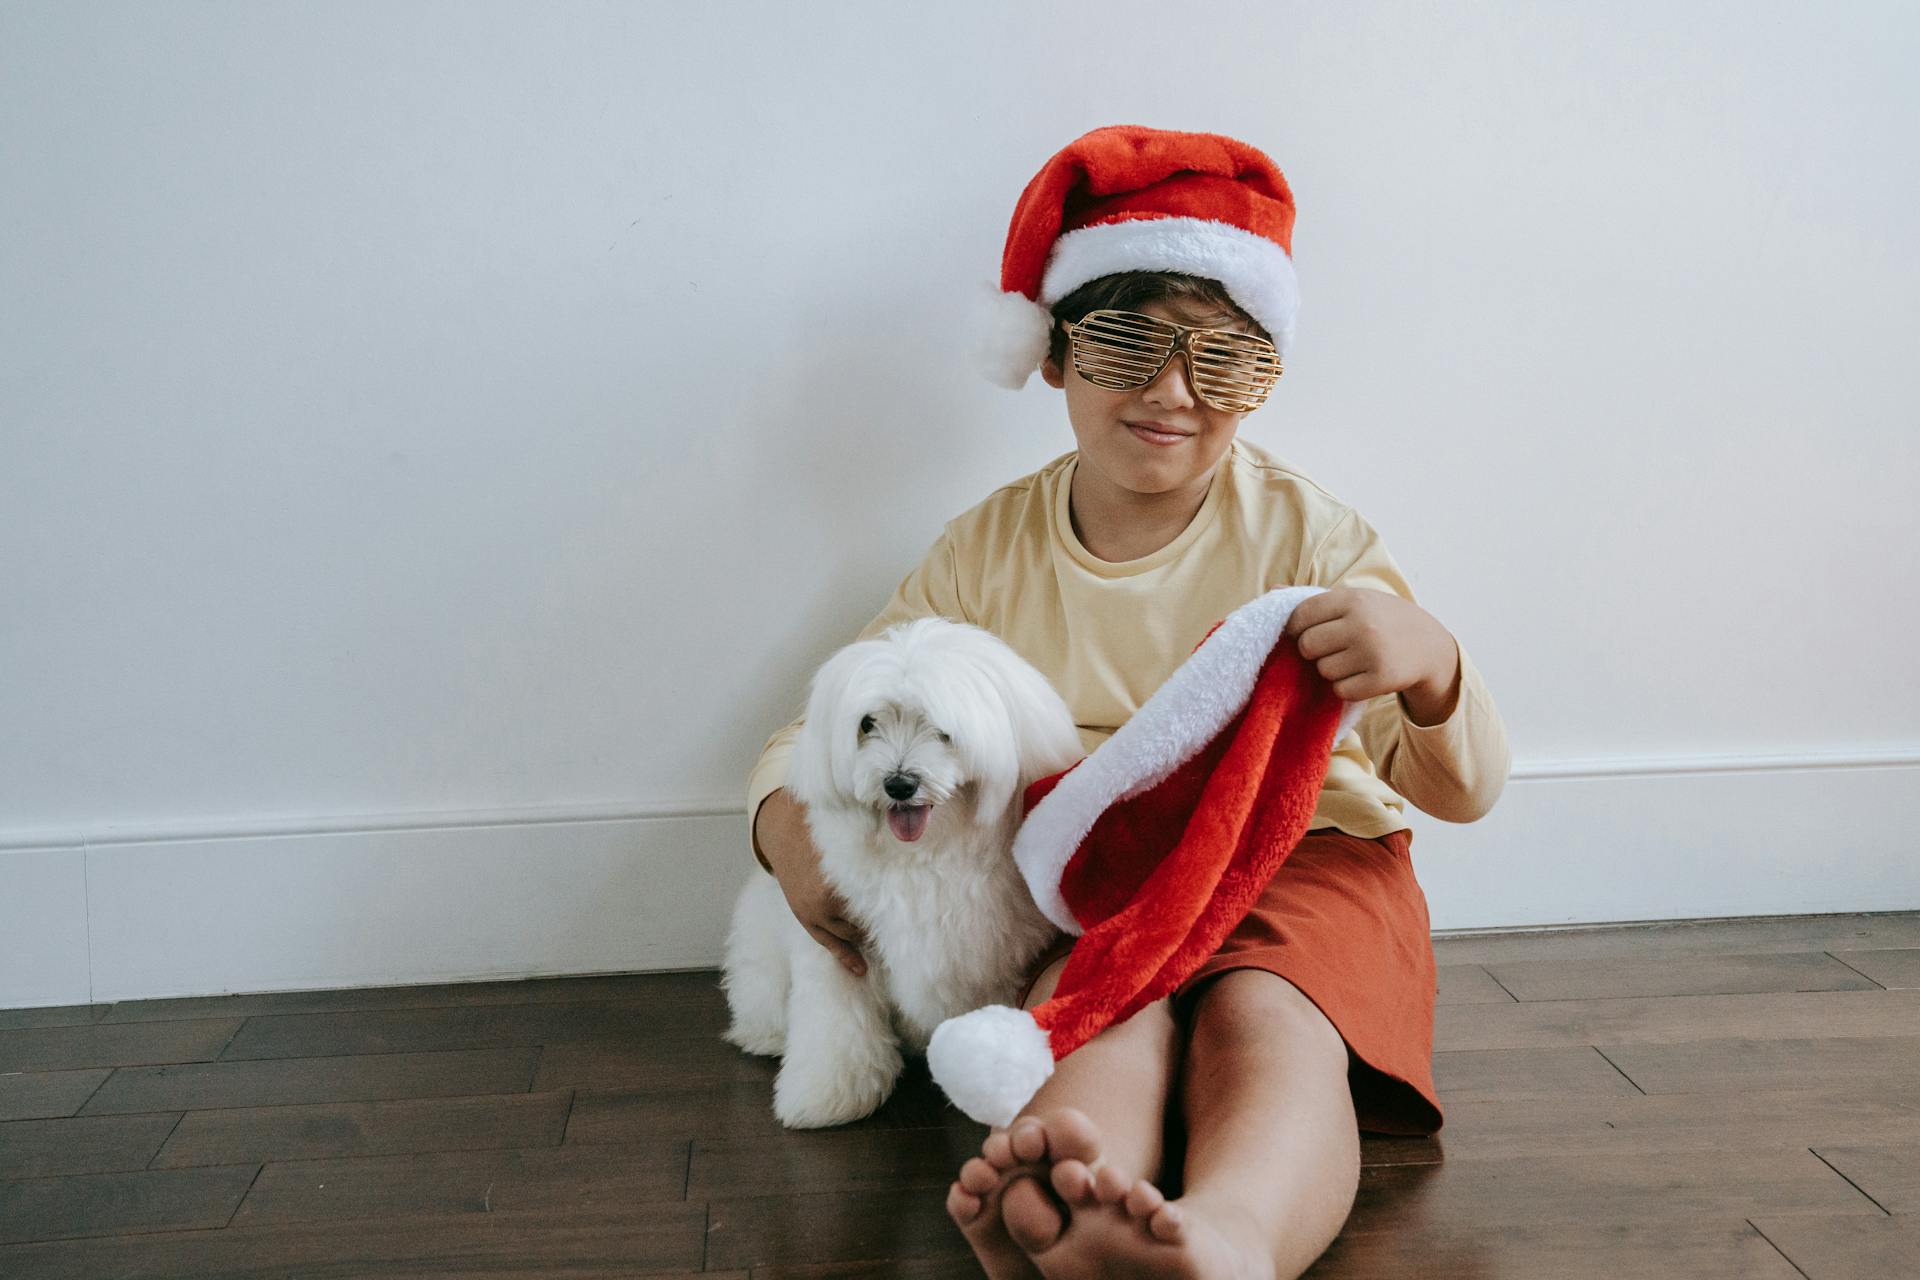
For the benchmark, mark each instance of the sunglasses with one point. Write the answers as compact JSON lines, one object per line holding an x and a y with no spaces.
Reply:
{"x":1122,"y":350}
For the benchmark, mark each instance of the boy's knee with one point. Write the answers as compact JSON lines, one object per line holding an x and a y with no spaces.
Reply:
{"x":1150,"y":1031}
{"x":1252,"y":1010}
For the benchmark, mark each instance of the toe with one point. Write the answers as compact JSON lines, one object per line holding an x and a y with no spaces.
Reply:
{"x":1073,"y":1181}
{"x":1110,"y":1185}
{"x":1033,"y":1222}
{"x":1071,"y":1135}
{"x":1029,"y":1139}
{"x":998,"y":1150}
{"x":1167,"y":1224}
{"x":1144,"y":1199}
{"x":977,"y":1177}
{"x":962,"y":1207}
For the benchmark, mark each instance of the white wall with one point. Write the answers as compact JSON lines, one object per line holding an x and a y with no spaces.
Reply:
{"x":436,"y":440}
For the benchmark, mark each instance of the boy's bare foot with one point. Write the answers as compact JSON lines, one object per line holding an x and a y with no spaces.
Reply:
{"x":1001,"y":1200}
{"x":1141,"y":1233}
{"x":976,"y":1201}
{"x":1103,"y":1223}
{"x":1118,"y":1225}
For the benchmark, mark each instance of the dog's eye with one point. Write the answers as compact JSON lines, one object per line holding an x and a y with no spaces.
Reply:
{"x":944,"y":738}
{"x":866,"y":725}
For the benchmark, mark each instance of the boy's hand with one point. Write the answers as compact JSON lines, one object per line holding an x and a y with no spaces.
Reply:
{"x":781,"y":828}
{"x":1368,"y":642}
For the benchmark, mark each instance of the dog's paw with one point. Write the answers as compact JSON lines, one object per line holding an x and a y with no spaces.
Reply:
{"x":815,"y":1095}
{"x":796,"y":1110}
{"x":765,"y":1042}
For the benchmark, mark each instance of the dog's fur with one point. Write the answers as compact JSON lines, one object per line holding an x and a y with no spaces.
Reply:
{"x":953,"y":712}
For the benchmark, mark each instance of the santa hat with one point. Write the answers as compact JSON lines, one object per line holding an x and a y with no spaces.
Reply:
{"x":1155,"y":846}
{"x":1129,"y":198}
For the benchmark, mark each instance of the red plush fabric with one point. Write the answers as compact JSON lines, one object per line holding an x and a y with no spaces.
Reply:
{"x":1163,"y":878}
{"x":1130,"y":171}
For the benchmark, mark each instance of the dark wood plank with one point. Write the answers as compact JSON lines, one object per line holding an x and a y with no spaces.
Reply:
{"x":1890,"y":967}
{"x":98,"y":1204}
{"x":1752,"y":935}
{"x":741,"y":1109}
{"x":102,"y":1045}
{"x":657,"y":1062}
{"x":1616,"y":977}
{"x":642,"y":1239}
{"x":1391,"y":1148}
{"x":366,"y":1129}
{"x":310,"y":1035}
{"x":1716,"y":1065}
{"x":851,"y":1226}
{"x":1846,"y":1248}
{"x":655,"y":990}
{"x":953,"y":1267}
{"x":88,"y":1144}
{"x":300,"y":1080}
{"x":1630,"y":1187}
{"x":829,"y":1160}
{"x":1526,"y":1073}
{"x":1469,"y":984}
{"x":1672,"y":1019}
{"x":36,"y":1095}
{"x":1887,"y":1173}
{"x":1786,"y":1120}
{"x":606,"y":1178}
{"x":70,"y":1015}
{"x":1604,"y":1249}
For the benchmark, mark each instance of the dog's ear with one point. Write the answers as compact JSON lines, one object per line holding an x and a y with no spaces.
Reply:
{"x":822,"y":765}
{"x":1049,"y":740}
{"x":1039,"y":728}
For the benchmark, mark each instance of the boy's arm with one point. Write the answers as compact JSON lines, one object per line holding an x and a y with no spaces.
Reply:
{"x":1443,"y":747}
{"x":932,"y":588}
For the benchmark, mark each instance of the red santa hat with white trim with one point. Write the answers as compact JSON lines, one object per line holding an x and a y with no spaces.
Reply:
{"x":1130,"y":198}
{"x":1155,"y":846}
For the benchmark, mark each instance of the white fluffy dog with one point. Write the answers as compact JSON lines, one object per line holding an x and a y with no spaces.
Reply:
{"x":916,"y":748}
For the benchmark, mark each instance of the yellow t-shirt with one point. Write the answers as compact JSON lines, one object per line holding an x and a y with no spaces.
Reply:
{"x":1108,"y":634}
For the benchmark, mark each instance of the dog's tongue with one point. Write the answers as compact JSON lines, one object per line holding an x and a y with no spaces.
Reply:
{"x":908,"y":824}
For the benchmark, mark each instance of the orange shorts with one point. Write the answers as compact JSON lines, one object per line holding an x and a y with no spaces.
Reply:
{"x":1345,"y":921}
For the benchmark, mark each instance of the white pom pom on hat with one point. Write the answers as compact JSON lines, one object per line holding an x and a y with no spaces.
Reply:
{"x":1130,"y":198}
{"x":991,"y":1061}
{"x":1010,"y":338}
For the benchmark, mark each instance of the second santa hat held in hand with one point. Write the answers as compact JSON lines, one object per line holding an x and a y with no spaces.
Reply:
{"x":1155,"y":846}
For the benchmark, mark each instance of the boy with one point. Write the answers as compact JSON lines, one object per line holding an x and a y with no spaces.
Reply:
{"x":1149,"y":276}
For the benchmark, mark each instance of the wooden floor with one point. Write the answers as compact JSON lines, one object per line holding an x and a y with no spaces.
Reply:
{"x":1735,"y":1099}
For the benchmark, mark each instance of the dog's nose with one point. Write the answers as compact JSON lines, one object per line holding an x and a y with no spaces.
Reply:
{"x":901,"y":786}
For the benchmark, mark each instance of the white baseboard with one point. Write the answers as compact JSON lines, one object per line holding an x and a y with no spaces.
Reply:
{"x":1597,"y":842}
{"x":121,"y":915}
{"x":368,"y":907}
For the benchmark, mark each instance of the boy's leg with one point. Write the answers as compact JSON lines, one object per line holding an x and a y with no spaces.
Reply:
{"x":1273,"y":1151}
{"x":1273,"y":1146}
{"x":1118,"y":1082}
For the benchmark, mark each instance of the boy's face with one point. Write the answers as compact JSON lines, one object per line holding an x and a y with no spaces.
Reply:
{"x":1156,"y":438}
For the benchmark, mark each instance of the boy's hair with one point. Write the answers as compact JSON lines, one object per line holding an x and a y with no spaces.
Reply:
{"x":1127,"y":290}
